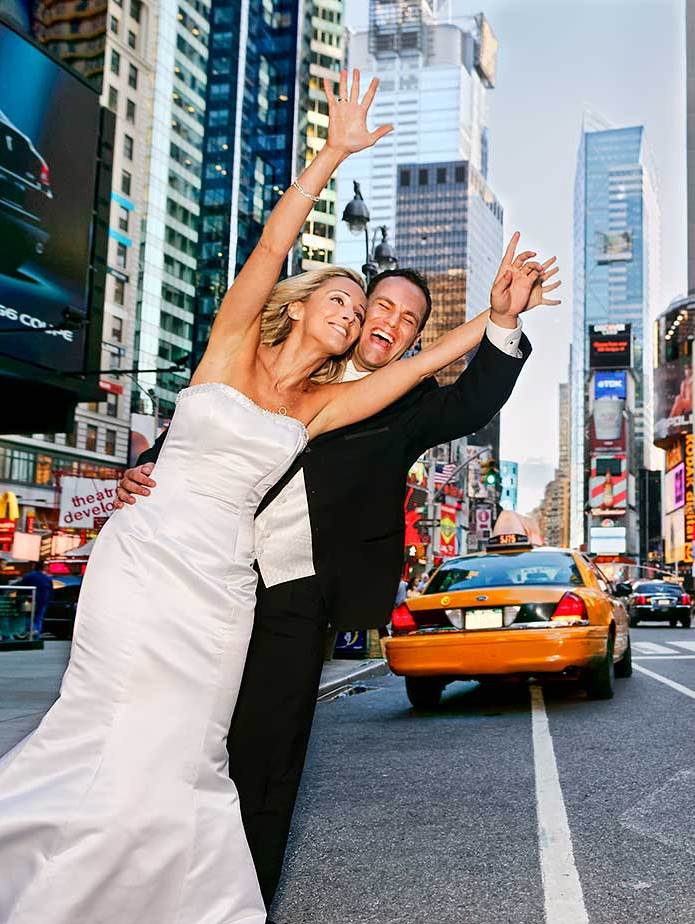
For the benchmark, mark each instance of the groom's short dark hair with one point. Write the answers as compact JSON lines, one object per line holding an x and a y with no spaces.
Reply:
{"x":411,"y":275}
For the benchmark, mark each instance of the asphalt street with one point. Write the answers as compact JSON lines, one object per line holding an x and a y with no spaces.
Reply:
{"x":503,"y":806}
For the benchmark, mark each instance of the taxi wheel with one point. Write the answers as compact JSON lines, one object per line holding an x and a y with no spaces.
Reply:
{"x":599,"y":681}
{"x":424,"y":692}
{"x":686,"y":622}
{"x":673,"y":622}
{"x":624,"y":666}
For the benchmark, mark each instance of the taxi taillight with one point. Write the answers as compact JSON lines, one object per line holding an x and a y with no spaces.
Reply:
{"x":570,"y":606}
{"x":402,"y":619}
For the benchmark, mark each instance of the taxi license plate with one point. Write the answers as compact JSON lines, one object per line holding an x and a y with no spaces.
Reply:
{"x":484,"y":619}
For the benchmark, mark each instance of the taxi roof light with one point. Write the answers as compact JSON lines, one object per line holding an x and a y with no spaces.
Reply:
{"x":509,"y":541}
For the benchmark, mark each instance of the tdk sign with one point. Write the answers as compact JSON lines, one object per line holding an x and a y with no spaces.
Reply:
{"x":610,"y":385}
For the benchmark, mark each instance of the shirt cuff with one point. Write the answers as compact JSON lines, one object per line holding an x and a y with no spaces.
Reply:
{"x":504,"y":338}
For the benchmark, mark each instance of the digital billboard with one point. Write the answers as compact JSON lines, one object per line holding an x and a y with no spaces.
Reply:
{"x":49,"y":134}
{"x":610,"y":385}
{"x":674,"y":488}
{"x":486,"y":56}
{"x":610,"y":346}
{"x":674,"y":537}
{"x":673,"y":398}
{"x":612,"y":246}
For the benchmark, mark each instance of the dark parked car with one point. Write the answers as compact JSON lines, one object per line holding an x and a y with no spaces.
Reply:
{"x":59,"y":617}
{"x":660,"y":601}
{"x":25,"y":188}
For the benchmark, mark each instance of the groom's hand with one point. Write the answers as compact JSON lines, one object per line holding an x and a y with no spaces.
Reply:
{"x":520,"y":284}
{"x":135,"y":481}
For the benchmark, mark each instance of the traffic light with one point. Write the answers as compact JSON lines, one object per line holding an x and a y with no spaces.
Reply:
{"x":491,"y":475}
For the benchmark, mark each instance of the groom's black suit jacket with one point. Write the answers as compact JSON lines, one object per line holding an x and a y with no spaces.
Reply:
{"x":355,"y":479}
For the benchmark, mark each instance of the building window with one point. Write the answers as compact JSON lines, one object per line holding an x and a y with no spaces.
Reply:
{"x":128,"y":146}
{"x":123,"y":218}
{"x":91,"y":440}
{"x":135,"y":9}
{"x":130,"y":110}
{"x":121,"y":255}
{"x":441,"y":175}
{"x":110,"y":443}
{"x":117,"y":329}
{"x":422,"y":177}
{"x":405,"y":177}
{"x":125,"y":182}
{"x":132,"y":39}
{"x":460,"y":174}
{"x":111,"y":404}
{"x":113,"y":99}
{"x":115,"y":61}
{"x":113,"y":24}
{"x":132,"y":76}
{"x":118,"y":291}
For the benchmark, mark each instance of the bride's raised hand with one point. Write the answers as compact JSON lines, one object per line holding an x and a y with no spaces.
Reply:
{"x":347,"y":116}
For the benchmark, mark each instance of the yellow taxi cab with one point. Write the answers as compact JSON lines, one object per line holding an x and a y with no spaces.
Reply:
{"x":513,"y":611}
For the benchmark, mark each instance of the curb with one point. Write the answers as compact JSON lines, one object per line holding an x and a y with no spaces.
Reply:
{"x":378,"y":669}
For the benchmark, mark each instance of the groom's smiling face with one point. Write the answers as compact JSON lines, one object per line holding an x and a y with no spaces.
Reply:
{"x":395,"y":313}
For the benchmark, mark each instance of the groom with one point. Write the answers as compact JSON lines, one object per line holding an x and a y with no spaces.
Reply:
{"x":342,"y":501}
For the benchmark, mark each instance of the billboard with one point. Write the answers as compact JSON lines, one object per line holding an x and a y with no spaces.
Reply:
{"x":608,"y":426}
{"x":674,"y":488}
{"x":674,"y":537}
{"x":610,"y":385}
{"x":673,"y":398}
{"x":486,"y":52}
{"x":610,"y":346}
{"x":612,"y":246}
{"x":608,"y":540}
{"x":447,"y":532}
{"x":608,"y":486}
{"x":509,"y":473}
{"x":49,"y":138}
{"x":82,"y":500}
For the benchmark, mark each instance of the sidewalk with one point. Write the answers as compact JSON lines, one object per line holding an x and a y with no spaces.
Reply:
{"x":29,"y":683}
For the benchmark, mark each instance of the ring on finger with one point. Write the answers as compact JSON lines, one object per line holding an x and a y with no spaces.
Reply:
{"x":341,"y":99}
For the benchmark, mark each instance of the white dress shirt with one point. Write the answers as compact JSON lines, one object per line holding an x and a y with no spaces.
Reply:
{"x":284,"y":550}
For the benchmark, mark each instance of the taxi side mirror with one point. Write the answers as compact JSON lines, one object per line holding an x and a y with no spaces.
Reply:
{"x":623,"y":589}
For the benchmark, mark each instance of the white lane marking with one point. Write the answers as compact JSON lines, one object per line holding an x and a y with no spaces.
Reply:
{"x":671,"y":657}
{"x":667,"y":680}
{"x":689,"y":646}
{"x":652,"y":648}
{"x":564,"y":900}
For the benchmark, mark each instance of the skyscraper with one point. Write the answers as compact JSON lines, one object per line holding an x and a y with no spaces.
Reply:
{"x":265,"y":109}
{"x":449,"y":226}
{"x":616,"y":273}
{"x":434,"y":81}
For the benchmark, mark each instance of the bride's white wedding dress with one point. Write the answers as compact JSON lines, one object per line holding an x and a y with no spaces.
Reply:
{"x":119,"y":809}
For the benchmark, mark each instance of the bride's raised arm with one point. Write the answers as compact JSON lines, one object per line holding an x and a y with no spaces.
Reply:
{"x":240,"y":310}
{"x":517,"y":289}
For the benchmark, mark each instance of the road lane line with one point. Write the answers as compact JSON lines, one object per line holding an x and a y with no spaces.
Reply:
{"x":652,"y":648}
{"x":689,"y":646}
{"x":564,"y":900}
{"x":667,"y":680}
{"x":671,"y":657}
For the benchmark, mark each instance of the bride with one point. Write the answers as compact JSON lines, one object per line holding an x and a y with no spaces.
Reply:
{"x":119,"y":809}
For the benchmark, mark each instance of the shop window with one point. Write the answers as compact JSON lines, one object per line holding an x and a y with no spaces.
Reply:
{"x":44,"y":469}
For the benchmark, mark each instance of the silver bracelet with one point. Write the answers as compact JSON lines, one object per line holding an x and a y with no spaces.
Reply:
{"x":302,"y":192}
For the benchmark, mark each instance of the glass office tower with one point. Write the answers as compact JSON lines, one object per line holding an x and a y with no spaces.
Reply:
{"x":616,"y":279}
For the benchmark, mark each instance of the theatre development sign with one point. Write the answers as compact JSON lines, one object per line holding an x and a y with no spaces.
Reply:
{"x":84,"y":500}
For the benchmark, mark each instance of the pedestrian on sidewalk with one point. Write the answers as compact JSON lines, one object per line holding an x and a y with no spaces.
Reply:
{"x":39,"y":579}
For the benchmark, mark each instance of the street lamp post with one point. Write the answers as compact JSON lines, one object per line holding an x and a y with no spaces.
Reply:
{"x":379,"y":257}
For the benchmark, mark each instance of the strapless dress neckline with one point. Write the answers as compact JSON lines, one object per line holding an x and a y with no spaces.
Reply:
{"x":241,"y":398}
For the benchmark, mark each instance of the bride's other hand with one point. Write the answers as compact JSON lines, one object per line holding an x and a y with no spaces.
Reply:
{"x":521,"y":284}
{"x":347,"y":116}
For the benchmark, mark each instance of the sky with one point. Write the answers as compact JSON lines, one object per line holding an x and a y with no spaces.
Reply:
{"x":623,"y":59}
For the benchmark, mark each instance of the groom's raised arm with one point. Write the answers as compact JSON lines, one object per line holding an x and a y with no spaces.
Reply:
{"x":451,"y":411}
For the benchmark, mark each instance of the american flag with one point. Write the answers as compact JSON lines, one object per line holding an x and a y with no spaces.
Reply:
{"x":443,"y":472}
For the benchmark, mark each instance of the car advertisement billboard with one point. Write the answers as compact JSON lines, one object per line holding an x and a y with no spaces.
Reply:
{"x":610,"y":346}
{"x":49,"y":132}
{"x":610,"y":385}
{"x":673,"y":398}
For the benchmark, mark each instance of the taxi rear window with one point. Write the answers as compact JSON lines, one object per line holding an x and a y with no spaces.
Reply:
{"x":526,"y":569}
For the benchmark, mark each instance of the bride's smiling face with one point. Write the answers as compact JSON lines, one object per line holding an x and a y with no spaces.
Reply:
{"x":333,"y":315}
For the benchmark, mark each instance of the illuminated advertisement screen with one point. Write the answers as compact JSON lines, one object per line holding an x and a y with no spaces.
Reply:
{"x":49,"y":124}
{"x":610,"y":385}
{"x":673,"y":398}
{"x":486,"y":58}
{"x":612,"y":246}
{"x":674,"y":537}
{"x":610,"y":346}
{"x":674,"y":488}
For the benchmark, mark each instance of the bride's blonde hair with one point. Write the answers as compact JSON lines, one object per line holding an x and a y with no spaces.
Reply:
{"x":276,"y":323}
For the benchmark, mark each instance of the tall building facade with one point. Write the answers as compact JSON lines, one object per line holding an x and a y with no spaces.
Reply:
{"x":449,"y":226}
{"x":616,"y":282}
{"x":111,"y":43}
{"x":266,"y":118}
{"x":434,"y":78}
{"x":172,"y":151}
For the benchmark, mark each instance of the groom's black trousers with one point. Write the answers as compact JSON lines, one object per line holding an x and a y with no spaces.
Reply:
{"x":272,"y":721}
